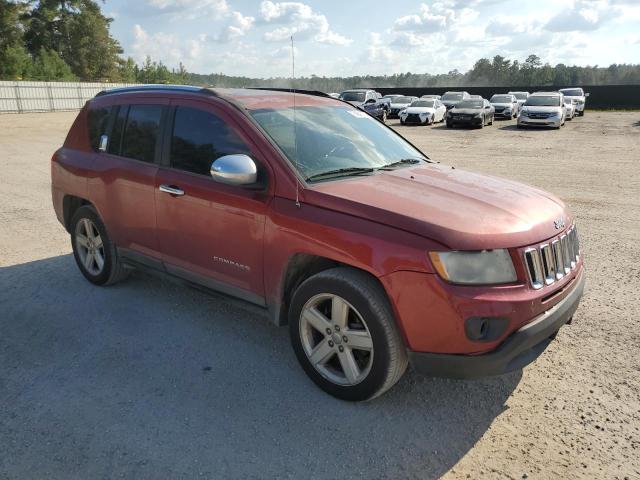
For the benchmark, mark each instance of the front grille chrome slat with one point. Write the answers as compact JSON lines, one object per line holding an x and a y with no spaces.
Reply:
{"x":549,"y":262}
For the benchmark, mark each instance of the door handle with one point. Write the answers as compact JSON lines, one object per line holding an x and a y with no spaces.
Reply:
{"x":172,"y":190}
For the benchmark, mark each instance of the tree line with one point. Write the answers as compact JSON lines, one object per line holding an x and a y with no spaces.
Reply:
{"x":70,"y":40}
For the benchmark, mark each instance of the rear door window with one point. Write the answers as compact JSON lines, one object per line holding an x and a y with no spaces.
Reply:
{"x":199,"y":138}
{"x":141,"y":132}
{"x":115,"y":141}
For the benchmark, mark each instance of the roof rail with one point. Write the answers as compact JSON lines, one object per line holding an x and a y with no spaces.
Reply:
{"x":160,"y":87}
{"x":316,"y":93}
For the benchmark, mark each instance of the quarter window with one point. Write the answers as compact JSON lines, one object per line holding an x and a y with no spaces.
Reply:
{"x":141,"y":132}
{"x":98,"y":122}
{"x":199,"y":138}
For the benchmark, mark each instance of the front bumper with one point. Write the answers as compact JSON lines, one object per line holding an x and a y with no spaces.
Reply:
{"x":414,"y":121}
{"x":504,"y":114}
{"x":539,"y":122}
{"x":464,"y":120}
{"x":518,"y":350}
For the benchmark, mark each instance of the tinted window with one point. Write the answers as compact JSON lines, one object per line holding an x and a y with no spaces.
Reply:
{"x":199,"y":138}
{"x":98,"y":121}
{"x":141,"y":132}
{"x":115,"y":141}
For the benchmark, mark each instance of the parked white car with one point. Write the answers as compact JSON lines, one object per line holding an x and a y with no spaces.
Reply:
{"x":521,"y":97}
{"x":423,"y":112}
{"x":432,"y":97}
{"x":578,"y":95}
{"x":570,"y":104}
{"x":543,"y":109}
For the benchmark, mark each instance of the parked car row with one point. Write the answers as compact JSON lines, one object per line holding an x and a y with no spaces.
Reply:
{"x":551,"y":109}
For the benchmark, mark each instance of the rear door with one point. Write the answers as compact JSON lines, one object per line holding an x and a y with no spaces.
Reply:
{"x":209,"y":233}
{"x":124,"y":186}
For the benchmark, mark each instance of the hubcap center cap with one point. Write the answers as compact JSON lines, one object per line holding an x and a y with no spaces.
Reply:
{"x":337,"y":339}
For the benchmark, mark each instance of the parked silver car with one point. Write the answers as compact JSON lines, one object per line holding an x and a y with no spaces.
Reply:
{"x":577,"y":94}
{"x":506,"y":105}
{"x":543,"y":109}
{"x":570,"y":104}
{"x":521,"y":97}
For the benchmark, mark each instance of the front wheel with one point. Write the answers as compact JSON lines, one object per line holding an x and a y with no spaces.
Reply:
{"x":344,"y":335}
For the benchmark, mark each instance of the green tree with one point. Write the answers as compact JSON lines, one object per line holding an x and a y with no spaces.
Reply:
{"x":14,"y":59}
{"x":79,"y":32}
{"x":49,"y":66}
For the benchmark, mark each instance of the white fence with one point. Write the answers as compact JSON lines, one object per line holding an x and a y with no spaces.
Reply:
{"x":23,"y":97}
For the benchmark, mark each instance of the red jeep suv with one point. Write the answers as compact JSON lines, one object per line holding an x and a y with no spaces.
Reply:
{"x":374,"y":255}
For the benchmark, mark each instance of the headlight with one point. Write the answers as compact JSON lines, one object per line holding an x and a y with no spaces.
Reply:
{"x":423,"y":114}
{"x":479,"y":114}
{"x":475,"y":268}
{"x":524,"y":113}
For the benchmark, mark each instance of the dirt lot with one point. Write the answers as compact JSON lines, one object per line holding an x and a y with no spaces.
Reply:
{"x":149,"y":379}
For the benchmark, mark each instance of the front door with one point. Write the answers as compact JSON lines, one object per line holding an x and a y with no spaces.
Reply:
{"x":208,"y":232}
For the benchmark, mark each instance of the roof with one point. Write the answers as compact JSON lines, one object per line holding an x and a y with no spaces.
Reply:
{"x":248,"y":98}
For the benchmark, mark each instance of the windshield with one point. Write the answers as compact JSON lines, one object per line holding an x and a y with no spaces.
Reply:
{"x":470,"y":104}
{"x":403,"y":100}
{"x":452,"y":96}
{"x":501,"y":99}
{"x":573,"y":92}
{"x":520,"y":95}
{"x":423,"y":103}
{"x":352,"y":96}
{"x":333,"y":137}
{"x":543,"y":101}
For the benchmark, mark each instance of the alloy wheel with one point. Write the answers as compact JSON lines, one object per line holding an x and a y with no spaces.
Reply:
{"x":336,"y":339}
{"x":90,"y":246}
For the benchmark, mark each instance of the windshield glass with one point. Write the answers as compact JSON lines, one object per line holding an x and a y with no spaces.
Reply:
{"x":470,"y":104}
{"x":452,"y":96}
{"x":543,"y":101}
{"x":423,"y":103}
{"x":403,"y":100}
{"x":573,"y":92}
{"x":333,"y":137}
{"x":352,"y":96}
{"x":501,"y":99}
{"x":520,"y":95}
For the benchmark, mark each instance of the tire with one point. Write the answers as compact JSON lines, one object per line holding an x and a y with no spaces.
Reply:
{"x":492,"y":119}
{"x":449,"y":125}
{"x":95,"y":254}
{"x":368,"y":319}
{"x":484,"y":119}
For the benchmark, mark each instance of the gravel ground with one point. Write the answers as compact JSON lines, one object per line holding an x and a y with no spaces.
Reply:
{"x":150,"y":379}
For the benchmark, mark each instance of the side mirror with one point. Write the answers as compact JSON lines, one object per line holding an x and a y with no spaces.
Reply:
{"x":587,"y":94}
{"x":238,"y":169}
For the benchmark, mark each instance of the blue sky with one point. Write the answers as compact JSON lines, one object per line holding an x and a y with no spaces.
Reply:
{"x":242,"y":37}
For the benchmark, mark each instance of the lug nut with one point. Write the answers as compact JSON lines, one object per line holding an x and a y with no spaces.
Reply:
{"x":337,"y":328}
{"x":330,"y":343}
{"x":328,"y":331}
{"x":341,"y":348}
{"x":345,"y":339}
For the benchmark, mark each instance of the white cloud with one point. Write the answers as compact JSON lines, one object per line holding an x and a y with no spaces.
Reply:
{"x":299,"y":20}
{"x":436,"y":17}
{"x":190,"y":8}
{"x":584,"y":15}
{"x":237,"y":26}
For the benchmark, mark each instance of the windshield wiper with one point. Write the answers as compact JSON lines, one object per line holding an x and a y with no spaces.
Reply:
{"x":402,"y":161}
{"x":341,"y":172}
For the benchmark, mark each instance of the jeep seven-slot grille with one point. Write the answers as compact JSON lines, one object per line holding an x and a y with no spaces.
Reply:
{"x":551,"y":261}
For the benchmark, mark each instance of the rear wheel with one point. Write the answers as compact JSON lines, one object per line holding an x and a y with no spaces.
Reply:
{"x":343,"y":332}
{"x":95,"y":254}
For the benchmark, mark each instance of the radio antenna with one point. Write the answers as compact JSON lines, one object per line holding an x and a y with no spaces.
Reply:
{"x":295,"y":129}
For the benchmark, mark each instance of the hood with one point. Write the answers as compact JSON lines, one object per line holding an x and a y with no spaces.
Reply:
{"x":420,"y":110}
{"x":542,"y":109}
{"x":450,"y":102}
{"x":466,"y":111}
{"x":399,"y":105}
{"x":459,"y":209}
{"x":505,"y":105}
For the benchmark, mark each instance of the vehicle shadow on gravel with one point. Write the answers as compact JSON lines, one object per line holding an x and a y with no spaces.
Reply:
{"x":150,"y":379}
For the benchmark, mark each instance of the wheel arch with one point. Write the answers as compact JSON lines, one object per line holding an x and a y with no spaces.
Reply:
{"x":300,"y":267}
{"x":70,"y":204}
